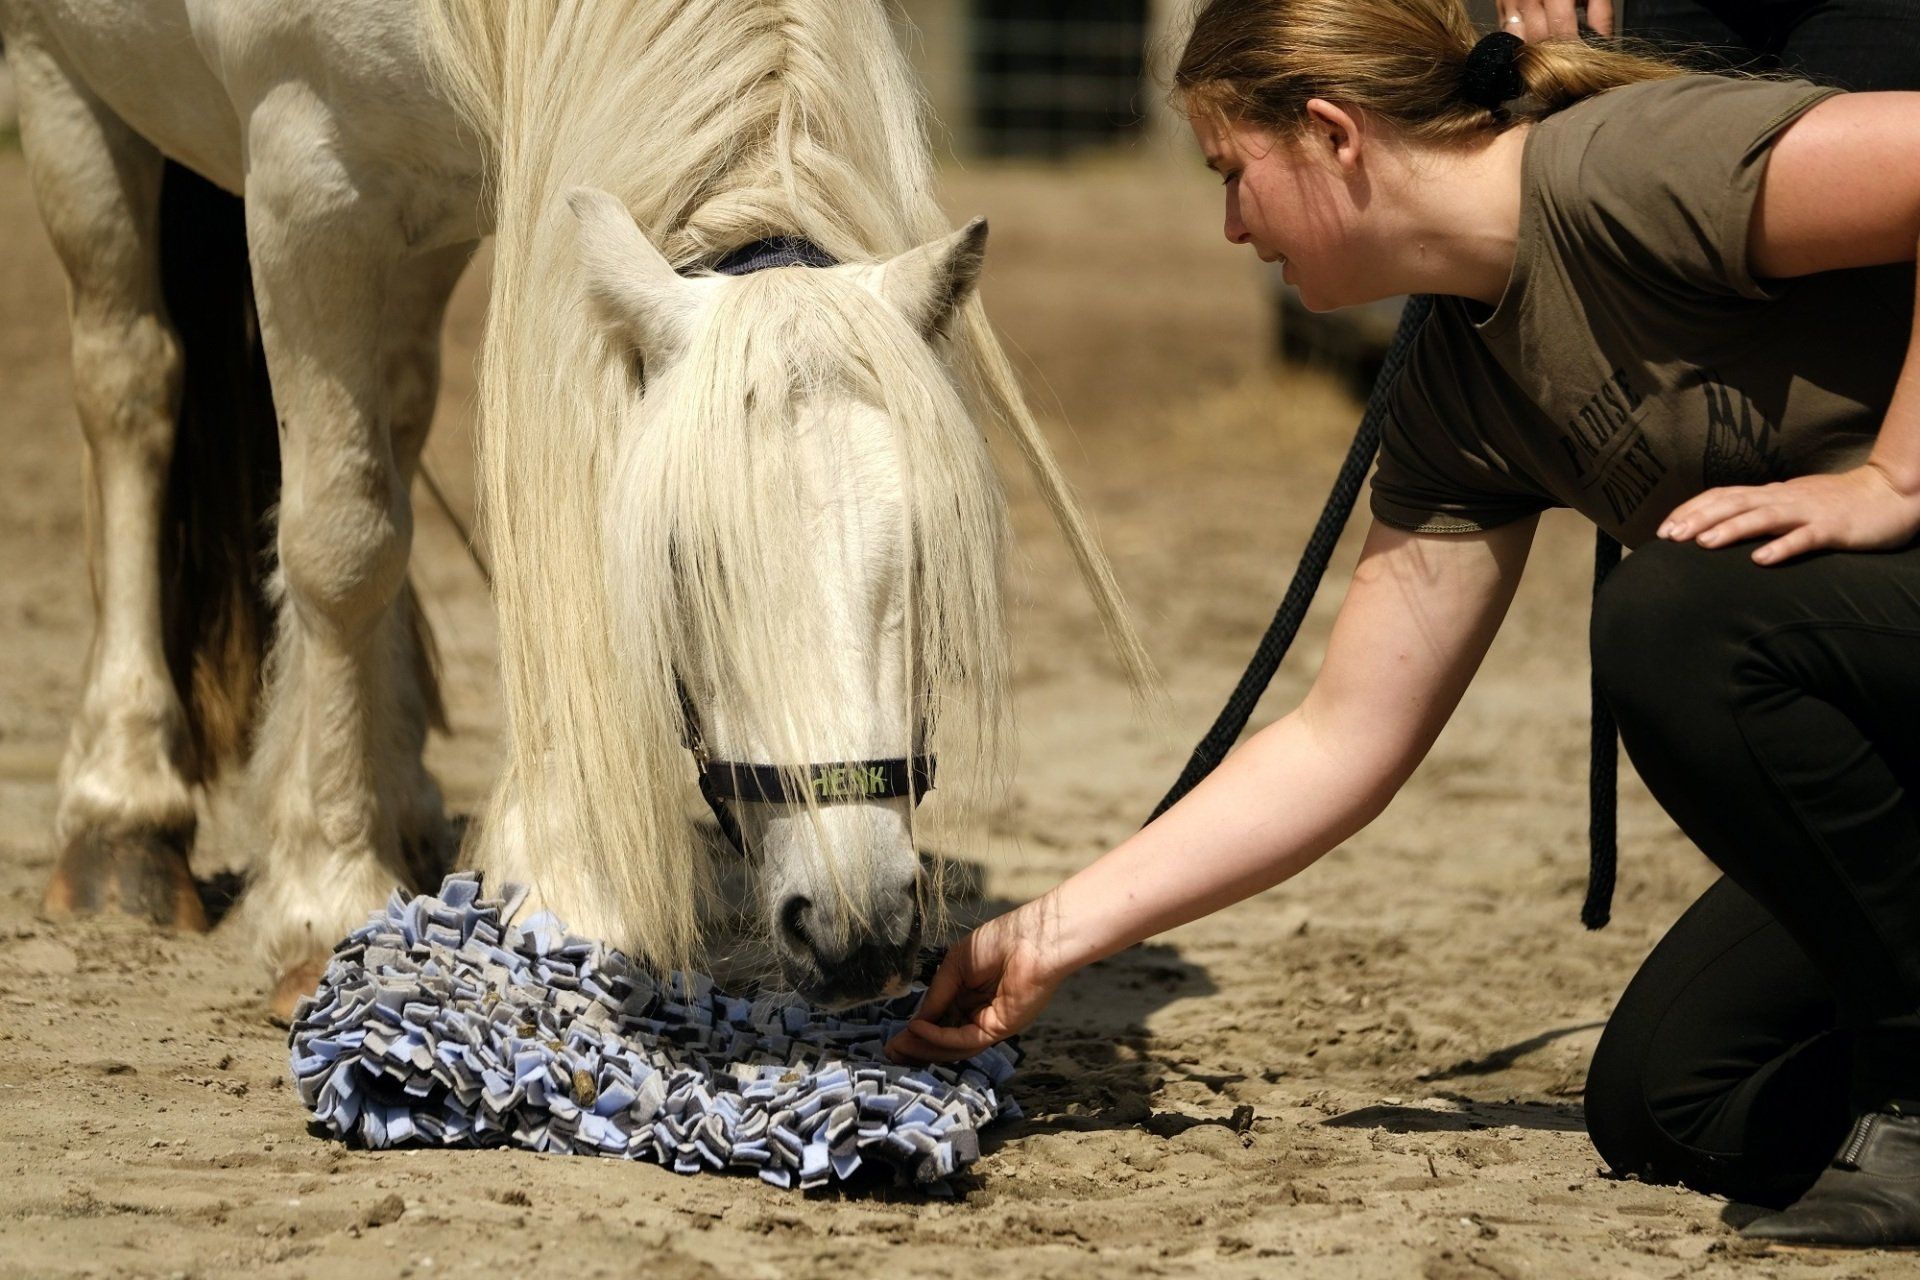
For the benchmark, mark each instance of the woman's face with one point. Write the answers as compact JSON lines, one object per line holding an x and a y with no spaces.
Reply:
{"x":1294,"y":201}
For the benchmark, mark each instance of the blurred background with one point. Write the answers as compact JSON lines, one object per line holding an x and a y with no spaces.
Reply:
{"x":1009,"y":79}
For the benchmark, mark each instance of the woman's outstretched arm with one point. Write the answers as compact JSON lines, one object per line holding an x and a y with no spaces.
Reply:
{"x":1416,"y":622}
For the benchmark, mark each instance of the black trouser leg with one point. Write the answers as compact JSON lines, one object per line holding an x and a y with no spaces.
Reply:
{"x":1723,"y":1068}
{"x":1863,"y":45}
{"x":1775,"y":714}
{"x":1711,"y":35}
{"x":1855,"y":44}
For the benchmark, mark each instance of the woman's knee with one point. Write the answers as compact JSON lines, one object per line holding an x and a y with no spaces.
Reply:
{"x":1620,"y":1121}
{"x":1647,"y":1119}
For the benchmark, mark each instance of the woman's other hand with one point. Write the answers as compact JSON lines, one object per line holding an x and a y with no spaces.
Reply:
{"x":1858,"y":510}
{"x":1542,"y":19}
{"x":993,"y":984}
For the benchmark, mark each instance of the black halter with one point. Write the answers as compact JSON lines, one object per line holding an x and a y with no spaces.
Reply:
{"x":837,"y":782}
{"x":775,"y":251}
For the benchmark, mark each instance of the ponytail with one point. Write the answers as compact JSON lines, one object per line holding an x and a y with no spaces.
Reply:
{"x":1559,"y":73}
{"x":1404,"y":61}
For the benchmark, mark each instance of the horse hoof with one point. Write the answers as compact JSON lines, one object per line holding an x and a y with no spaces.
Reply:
{"x":300,"y":981}
{"x":139,"y":873}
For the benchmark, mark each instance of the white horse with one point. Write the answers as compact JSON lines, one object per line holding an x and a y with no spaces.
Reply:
{"x":754,"y":512}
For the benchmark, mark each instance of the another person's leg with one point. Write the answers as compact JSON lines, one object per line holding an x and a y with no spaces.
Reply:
{"x":1863,"y":45}
{"x":1723,"y":1067}
{"x":1772,"y":711}
{"x":1708,"y":35}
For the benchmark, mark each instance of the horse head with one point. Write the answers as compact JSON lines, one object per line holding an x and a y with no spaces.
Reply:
{"x":804,"y":542}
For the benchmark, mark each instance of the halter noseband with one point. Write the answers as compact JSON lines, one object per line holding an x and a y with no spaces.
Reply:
{"x":837,"y":782}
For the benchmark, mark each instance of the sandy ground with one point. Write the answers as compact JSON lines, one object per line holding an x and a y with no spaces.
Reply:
{"x":1402,"y":1033}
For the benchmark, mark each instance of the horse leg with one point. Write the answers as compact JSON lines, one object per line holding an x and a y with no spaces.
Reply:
{"x":336,"y":754}
{"x":125,"y":816}
{"x":416,"y":308}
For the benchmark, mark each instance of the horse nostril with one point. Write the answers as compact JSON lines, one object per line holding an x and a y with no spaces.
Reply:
{"x":793,"y":924}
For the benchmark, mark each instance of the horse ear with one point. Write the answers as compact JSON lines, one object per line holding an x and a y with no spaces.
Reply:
{"x":631,"y":283}
{"x":929,"y":283}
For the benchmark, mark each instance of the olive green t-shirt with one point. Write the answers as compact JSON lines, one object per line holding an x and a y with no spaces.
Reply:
{"x":1633,"y":359}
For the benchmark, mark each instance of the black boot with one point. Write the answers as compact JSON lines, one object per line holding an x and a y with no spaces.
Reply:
{"x":1869,"y":1197}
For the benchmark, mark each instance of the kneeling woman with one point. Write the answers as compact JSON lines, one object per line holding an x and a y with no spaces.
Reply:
{"x":1682,"y":305}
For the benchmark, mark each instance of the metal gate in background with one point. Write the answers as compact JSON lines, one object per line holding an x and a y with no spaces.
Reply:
{"x":1053,"y":78}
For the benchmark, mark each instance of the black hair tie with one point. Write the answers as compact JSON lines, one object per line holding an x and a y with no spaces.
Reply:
{"x":1490,"y":78}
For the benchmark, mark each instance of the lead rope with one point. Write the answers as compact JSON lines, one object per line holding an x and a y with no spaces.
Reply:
{"x":1602,"y":773}
{"x":1286,"y":622}
{"x":1273,"y":646}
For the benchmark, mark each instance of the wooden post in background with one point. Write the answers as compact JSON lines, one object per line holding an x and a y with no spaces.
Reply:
{"x":9,"y":104}
{"x":937,"y":36}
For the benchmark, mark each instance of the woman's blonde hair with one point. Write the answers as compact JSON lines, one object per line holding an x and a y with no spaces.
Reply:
{"x":1260,"y":62}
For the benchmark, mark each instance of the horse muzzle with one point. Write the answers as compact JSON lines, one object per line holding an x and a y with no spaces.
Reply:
{"x":834,"y":973}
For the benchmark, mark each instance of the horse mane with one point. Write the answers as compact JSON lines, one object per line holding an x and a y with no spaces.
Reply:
{"x":716,"y":122}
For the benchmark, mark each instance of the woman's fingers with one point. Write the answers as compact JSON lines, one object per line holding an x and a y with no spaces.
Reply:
{"x":962,"y":1041}
{"x":924,"y":1041}
{"x":1541,"y":19}
{"x":1796,"y":542}
{"x":1533,"y":21}
{"x":1750,"y":523}
{"x":1735,"y":516}
{"x":944,"y":987}
{"x":1562,"y":21}
{"x":1705,"y":510}
{"x":1858,"y":510}
{"x":908,"y":1048}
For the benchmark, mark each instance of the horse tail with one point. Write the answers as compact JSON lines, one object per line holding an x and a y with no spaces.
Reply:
{"x":216,"y":536}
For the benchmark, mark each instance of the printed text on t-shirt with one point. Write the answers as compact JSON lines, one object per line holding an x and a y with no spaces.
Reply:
{"x":1608,"y":448}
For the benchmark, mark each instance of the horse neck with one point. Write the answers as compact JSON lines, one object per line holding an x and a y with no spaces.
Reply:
{"x":831,"y":147}
{"x":717,"y":121}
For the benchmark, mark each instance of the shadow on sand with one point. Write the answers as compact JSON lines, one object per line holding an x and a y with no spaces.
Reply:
{"x":1467,"y":1113}
{"x":1505,"y":1056}
{"x":1464,"y":1116}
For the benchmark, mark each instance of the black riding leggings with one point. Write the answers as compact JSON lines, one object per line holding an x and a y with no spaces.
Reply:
{"x":1775,"y":713}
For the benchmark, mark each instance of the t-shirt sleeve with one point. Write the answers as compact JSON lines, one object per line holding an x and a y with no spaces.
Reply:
{"x":1669,"y":177}
{"x":1440,"y":469}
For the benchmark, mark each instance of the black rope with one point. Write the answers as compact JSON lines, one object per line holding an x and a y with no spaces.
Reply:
{"x":1602,"y":775}
{"x":1226,"y":730}
{"x":1313,"y":566}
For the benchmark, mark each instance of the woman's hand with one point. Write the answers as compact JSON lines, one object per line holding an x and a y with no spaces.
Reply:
{"x":1858,"y":510}
{"x":993,"y":984}
{"x":1541,"y":19}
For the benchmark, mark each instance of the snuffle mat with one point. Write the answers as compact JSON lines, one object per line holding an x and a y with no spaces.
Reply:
{"x":442,"y":1022}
